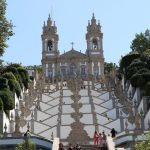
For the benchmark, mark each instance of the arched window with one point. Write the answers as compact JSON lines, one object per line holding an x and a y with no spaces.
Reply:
{"x":72,"y":69}
{"x":83,"y":71}
{"x":95,"y":44}
{"x":50,"y":45}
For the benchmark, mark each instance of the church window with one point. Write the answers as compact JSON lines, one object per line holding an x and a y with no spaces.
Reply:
{"x":72,"y":69}
{"x":63,"y":71}
{"x":83,"y":71}
{"x":50,"y":74}
{"x":95,"y":44}
{"x":50,"y":45}
{"x":96,"y":70}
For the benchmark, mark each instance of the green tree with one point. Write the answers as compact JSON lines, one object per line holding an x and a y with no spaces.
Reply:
{"x":27,"y":144}
{"x":108,"y":67}
{"x":144,"y":144}
{"x":141,"y":42}
{"x":5,"y":27}
{"x":127,"y":60}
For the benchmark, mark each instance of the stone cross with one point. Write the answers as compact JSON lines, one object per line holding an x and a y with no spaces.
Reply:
{"x":72,"y":43}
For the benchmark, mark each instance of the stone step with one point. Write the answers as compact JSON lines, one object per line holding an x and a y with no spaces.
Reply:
{"x":92,"y":147}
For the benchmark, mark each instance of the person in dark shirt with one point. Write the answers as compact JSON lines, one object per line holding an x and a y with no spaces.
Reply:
{"x":113,"y":133}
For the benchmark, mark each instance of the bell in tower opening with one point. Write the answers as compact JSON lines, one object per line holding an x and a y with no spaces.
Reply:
{"x":94,"y":44}
{"x":50,"y":45}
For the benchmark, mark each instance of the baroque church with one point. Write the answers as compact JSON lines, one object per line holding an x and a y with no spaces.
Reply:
{"x":72,"y":62}
{"x":72,"y":97}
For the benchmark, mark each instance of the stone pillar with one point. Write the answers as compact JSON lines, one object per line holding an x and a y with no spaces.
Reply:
{"x":32,"y":122}
{"x":117,"y":112}
{"x":12,"y":126}
{"x":142,"y":122}
{"x":138,"y":95}
{"x":121,"y":122}
{"x":35,"y":113}
{"x":145,"y":107}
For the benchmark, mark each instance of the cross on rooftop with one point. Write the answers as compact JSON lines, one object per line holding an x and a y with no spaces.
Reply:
{"x":72,"y":43}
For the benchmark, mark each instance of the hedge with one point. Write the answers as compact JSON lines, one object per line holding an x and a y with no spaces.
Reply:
{"x":127,"y":59}
{"x":14,"y":87}
{"x":7,"y":98}
{"x":3,"y":83}
{"x":9,"y":75}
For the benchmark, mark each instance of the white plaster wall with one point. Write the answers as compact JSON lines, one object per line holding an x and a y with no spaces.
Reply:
{"x":140,"y":106}
{"x":90,"y":129}
{"x":65,"y":130}
{"x":104,"y":129}
{"x":101,"y":119}
{"x":67,"y":109}
{"x":5,"y":120}
{"x":100,"y":109}
{"x":147,"y":117}
{"x":84,"y":100}
{"x":85,"y":108}
{"x":42,"y":116}
{"x":46,"y":98}
{"x":95,"y":93}
{"x":129,"y":90}
{"x":112,"y":114}
{"x":53,"y":110}
{"x":67,"y":100}
{"x":107,"y":104}
{"x":83,"y":92}
{"x":97,"y":100}
{"x":122,"y":82}
{"x":51,"y":121}
{"x":87,"y":119}
{"x":67,"y":93}
{"x":56,"y":94}
{"x":54,"y":102}
{"x":47,"y":134}
{"x":44,"y":106}
{"x":104,"y":96}
{"x":38,"y":127}
{"x":66,"y":120}
{"x":115,"y":124}
{"x":135,"y":96}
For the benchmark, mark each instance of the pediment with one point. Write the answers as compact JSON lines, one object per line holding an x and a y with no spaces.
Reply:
{"x":73,"y":54}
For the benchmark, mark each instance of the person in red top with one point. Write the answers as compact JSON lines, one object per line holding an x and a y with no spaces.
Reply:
{"x":95,"y":138}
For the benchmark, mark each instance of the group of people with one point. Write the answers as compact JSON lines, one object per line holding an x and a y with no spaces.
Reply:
{"x":99,"y":139}
{"x":69,"y":147}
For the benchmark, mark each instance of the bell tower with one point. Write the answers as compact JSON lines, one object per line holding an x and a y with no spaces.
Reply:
{"x":49,"y":49}
{"x":94,"y":38}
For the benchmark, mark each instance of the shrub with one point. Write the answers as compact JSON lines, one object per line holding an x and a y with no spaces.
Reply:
{"x":24,"y":76}
{"x":1,"y":104}
{"x":9,"y":75}
{"x":3,"y":83}
{"x":7,"y":99}
{"x":137,"y":80}
{"x":14,"y":87}
{"x":31,"y":78}
{"x":147,"y":89}
{"x":127,"y":59}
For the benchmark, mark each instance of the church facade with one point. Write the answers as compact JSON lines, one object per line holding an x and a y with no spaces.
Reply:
{"x":72,"y":62}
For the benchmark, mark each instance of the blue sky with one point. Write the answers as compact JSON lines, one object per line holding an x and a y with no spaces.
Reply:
{"x":120,"y":21}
